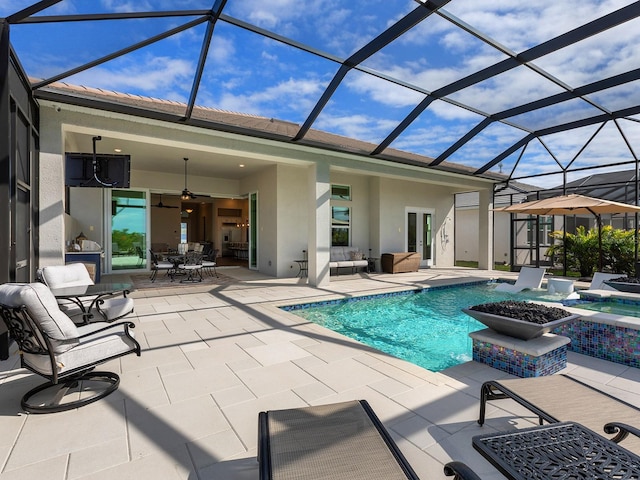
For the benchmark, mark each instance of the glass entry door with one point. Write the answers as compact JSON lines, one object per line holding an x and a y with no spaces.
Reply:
{"x":253,"y":231}
{"x":419,"y":234}
{"x":128,"y":230}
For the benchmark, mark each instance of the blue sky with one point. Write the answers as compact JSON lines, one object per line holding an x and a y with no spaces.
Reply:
{"x":248,"y":73}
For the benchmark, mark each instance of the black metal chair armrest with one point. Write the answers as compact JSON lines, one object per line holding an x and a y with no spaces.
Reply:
{"x":459,"y":471}
{"x":622,"y":431}
{"x":125,"y":327}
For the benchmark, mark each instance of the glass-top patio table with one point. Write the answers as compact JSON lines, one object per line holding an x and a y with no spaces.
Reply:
{"x":565,"y":450}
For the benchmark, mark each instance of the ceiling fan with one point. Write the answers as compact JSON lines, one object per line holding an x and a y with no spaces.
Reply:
{"x":162,"y":205}
{"x":186,"y":194}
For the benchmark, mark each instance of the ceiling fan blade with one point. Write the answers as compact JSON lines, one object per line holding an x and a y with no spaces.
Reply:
{"x":162,"y":205}
{"x":197,"y":195}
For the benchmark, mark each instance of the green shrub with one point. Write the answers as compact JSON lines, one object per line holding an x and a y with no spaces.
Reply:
{"x":582,"y":250}
{"x":618,"y":248}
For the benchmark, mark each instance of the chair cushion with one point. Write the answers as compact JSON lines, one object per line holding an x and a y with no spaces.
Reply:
{"x":43,"y":309}
{"x":70,"y":275}
{"x":356,"y":255}
{"x":92,"y":348}
{"x":339,"y":254}
{"x":162,"y":265}
{"x":116,"y":308}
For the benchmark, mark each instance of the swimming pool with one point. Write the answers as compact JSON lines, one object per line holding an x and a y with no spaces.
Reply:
{"x":426,"y":328}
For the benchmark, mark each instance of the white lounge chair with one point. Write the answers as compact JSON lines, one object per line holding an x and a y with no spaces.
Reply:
{"x":529,"y":277}
{"x":597,"y":283}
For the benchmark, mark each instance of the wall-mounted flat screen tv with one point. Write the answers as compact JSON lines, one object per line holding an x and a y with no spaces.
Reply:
{"x":108,"y":170}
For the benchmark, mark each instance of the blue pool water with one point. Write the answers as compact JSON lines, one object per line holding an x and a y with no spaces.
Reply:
{"x":426,"y":328}
{"x":612,"y":306}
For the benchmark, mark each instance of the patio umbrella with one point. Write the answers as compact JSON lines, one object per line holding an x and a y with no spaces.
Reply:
{"x":572,"y":204}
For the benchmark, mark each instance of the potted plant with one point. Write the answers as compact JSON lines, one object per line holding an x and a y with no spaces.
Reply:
{"x":523,"y":320}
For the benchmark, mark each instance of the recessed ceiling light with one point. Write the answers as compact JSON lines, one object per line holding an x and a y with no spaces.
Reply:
{"x":117,"y":150}
{"x":241,"y":165}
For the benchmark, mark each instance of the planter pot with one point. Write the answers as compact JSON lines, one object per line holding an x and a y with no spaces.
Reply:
{"x":516,"y":328}
{"x":627,"y":287}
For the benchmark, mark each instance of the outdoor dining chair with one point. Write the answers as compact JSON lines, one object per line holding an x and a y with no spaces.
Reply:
{"x":209,"y":263}
{"x":160,"y":265}
{"x":191,"y":267}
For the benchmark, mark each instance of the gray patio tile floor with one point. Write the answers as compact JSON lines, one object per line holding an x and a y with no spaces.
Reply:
{"x":215,"y":356}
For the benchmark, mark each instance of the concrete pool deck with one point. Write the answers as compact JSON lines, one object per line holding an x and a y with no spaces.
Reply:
{"x":215,"y":355}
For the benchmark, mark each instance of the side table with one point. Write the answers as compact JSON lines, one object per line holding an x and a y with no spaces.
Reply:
{"x":371,"y":265}
{"x":303,"y":267}
{"x":558,"y":450}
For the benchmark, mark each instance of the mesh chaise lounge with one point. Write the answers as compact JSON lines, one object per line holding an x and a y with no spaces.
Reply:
{"x":340,"y":441}
{"x":560,"y":398}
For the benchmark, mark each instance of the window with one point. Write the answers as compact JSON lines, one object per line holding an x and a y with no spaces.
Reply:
{"x":183,"y":232}
{"x":340,"y":226}
{"x":340,"y":192}
{"x":545,"y":227}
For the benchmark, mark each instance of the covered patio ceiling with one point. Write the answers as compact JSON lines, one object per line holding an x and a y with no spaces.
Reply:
{"x":522,"y":89}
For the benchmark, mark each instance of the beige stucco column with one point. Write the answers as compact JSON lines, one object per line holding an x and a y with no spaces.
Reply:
{"x":319,"y":210}
{"x":485,"y":230}
{"x":52,"y":192}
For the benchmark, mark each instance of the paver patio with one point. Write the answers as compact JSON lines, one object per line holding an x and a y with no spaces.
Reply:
{"x":214,"y":356}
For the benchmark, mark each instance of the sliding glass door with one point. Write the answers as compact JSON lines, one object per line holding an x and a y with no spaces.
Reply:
{"x":253,"y":231}
{"x":128,"y":230}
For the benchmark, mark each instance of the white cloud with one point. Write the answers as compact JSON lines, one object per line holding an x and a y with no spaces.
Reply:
{"x":222,"y":50}
{"x":292,"y":95}
{"x":382,"y":91}
{"x":121,"y":6}
{"x":164,"y":77}
{"x":362,"y":127}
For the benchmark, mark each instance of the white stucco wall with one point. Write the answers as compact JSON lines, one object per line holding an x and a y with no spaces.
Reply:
{"x":52,"y":216}
{"x":292,"y":218}
{"x":87,"y":211}
{"x":466,"y":221}
{"x":265,"y":183}
{"x":396,"y":195}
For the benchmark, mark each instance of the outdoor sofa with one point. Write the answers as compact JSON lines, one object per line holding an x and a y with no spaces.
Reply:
{"x":346,"y":257}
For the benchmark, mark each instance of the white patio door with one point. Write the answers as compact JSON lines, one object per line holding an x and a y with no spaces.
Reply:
{"x":418,"y":225}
